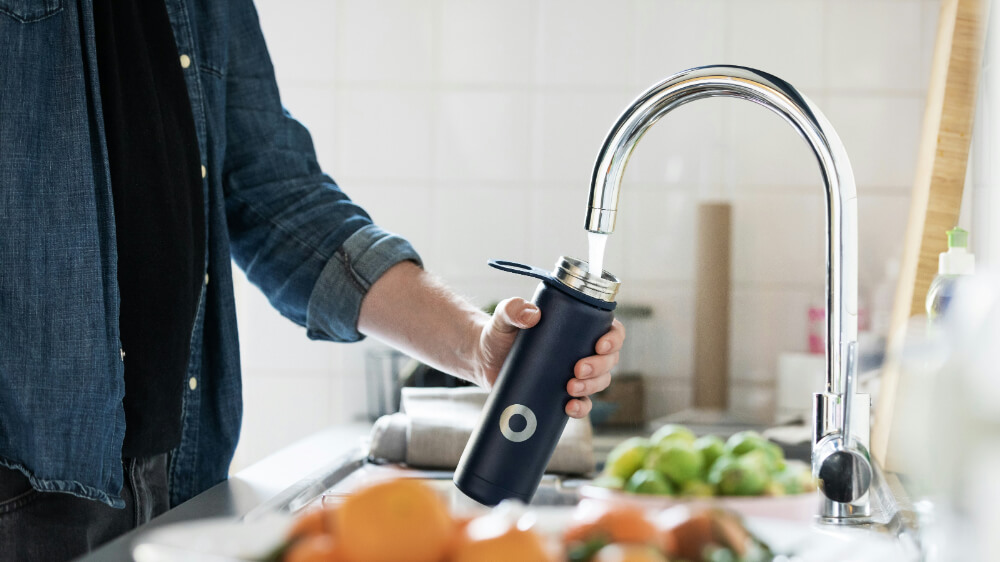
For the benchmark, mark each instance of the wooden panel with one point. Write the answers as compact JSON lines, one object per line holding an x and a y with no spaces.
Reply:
{"x":937,"y":191}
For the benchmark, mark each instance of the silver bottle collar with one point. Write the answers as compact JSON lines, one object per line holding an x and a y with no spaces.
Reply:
{"x":576,"y":275}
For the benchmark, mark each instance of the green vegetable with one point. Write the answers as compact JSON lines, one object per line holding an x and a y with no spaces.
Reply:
{"x":745,"y":441}
{"x":647,"y":481}
{"x":711,"y":448}
{"x":740,"y":476}
{"x":671,"y":432}
{"x":627,"y":457}
{"x":677,"y":460}
{"x":697,"y":489}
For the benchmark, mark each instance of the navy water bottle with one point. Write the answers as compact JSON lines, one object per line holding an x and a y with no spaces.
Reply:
{"x":525,"y":413}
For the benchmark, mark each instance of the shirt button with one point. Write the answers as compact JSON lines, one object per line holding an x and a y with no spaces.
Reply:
{"x":204,"y":172}
{"x":206,"y":279}
{"x":185,"y":61}
{"x":193,"y":383}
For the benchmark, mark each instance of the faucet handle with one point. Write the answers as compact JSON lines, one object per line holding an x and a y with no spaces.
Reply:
{"x":850,"y":351}
{"x":845,"y":474}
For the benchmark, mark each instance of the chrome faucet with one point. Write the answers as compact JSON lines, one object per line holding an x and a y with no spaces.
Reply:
{"x":840,"y":456}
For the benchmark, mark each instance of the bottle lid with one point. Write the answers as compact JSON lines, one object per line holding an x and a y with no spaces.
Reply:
{"x":576,"y":275}
{"x":957,"y":260}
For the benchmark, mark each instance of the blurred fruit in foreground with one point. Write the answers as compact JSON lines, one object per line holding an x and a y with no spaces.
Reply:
{"x":611,"y":524}
{"x":315,"y":548}
{"x":677,"y":459}
{"x":672,"y":432}
{"x":627,"y":457}
{"x":499,"y":536}
{"x":313,"y":522}
{"x":396,"y":521}
{"x":628,"y":553}
{"x":649,"y":481}
{"x":703,"y":534}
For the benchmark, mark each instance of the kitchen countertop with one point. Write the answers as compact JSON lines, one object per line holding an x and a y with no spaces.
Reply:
{"x":252,"y":486}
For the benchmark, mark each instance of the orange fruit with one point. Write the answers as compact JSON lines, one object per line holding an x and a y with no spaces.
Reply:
{"x":485,"y":540}
{"x":399,"y":520}
{"x":687,"y":538}
{"x":618,"y":552}
{"x":313,"y":522}
{"x":316,"y":548}
{"x":617,"y":524}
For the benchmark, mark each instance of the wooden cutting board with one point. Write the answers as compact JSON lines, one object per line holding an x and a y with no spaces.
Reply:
{"x":937,"y":191}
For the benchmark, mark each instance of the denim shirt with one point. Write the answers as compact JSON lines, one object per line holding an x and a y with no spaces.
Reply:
{"x":312,"y":251}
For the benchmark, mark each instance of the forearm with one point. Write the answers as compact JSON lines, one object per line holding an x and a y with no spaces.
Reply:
{"x":412,"y":311}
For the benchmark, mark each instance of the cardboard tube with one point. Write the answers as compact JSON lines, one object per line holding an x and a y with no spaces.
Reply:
{"x":711,"y":343}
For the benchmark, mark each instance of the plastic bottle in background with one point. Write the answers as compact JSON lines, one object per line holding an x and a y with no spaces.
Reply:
{"x":817,"y":329}
{"x":954,"y":263}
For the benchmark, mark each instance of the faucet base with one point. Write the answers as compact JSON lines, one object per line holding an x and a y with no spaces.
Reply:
{"x":825,"y":419}
{"x":836,"y":513}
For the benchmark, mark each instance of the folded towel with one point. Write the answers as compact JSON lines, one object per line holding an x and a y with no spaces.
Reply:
{"x":434,"y":424}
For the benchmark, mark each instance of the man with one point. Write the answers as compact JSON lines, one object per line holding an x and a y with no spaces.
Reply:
{"x":142,"y":144}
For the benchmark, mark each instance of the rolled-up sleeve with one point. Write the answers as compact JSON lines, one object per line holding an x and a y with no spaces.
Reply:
{"x":336,"y":299}
{"x":299,"y":238}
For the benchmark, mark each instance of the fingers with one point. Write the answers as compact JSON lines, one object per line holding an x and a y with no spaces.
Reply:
{"x":595,"y":365}
{"x":514,"y":314}
{"x":586,"y":387}
{"x":578,"y":407}
{"x":612,"y":341}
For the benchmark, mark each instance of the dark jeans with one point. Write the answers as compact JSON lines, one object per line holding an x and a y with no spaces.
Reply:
{"x":50,"y":526}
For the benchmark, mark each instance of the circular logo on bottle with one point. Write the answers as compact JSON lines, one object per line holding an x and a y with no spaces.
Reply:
{"x":530,"y":423}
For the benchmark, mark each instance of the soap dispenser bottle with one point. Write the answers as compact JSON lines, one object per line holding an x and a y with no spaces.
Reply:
{"x":952,"y":265}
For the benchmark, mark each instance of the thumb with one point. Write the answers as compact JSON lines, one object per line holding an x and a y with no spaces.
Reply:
{"x":514,"y":314}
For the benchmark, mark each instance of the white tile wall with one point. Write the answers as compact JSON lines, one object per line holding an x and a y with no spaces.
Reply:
{"x":784,"y":37}
{"x":482,"y":136}
{"x":488,"y":43}
{"x":766,"y":153}
{"x":875,"y":45}
{"x":585,"y":43}
{"x":566,"y":124}
{"x":382,"y":134}
{"x":672,"y":35}
{"x":472,"y":128}
{"x":308,"y":55}
{"x":881,"y":134}
{"x":387,"y":42}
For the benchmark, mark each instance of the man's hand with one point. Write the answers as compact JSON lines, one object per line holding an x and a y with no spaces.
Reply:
{"x":591,"y":374}
{"x":414,"y":312}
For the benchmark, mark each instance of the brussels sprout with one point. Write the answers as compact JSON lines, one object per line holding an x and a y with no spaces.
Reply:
{"x":627,"y":457}
{"x":672,"y":432}
{"x":697,"y":489}
{"x":745,"y":441}
{"x":648,"y":481}
{"x":677,"y":460}
{"x":711,"y":448}
{"x":740,"y":476}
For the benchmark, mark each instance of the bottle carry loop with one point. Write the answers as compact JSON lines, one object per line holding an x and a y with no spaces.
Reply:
{"x":551,"y":280}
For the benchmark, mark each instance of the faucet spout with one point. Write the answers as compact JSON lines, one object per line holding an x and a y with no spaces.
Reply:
{"x":838,"y":179}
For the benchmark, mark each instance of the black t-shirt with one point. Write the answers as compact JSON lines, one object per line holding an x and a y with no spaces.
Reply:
{"x":159,"y":213}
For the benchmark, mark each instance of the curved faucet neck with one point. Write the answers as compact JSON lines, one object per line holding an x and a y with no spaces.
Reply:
{"x":785,"y":101}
